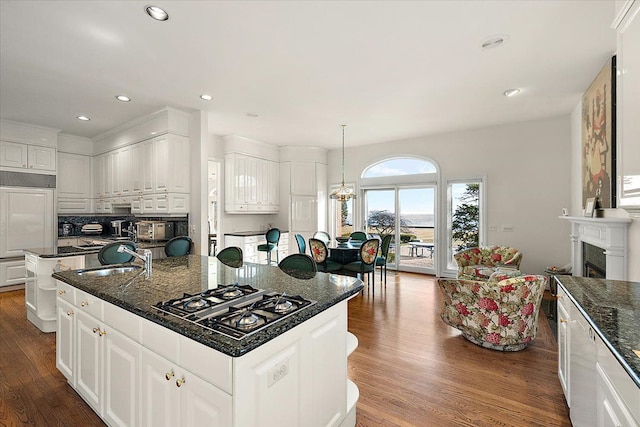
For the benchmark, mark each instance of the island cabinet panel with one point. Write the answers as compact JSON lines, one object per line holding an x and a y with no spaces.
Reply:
{"x":582,"y":365}
{"x":88,"y":367}
{"x":65,"y":340}
{"x":304,"y":370}
{"x":563,"y":343}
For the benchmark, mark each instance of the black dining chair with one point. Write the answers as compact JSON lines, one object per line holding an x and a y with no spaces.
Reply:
{"x":178,"y":246}
{"x":358,"y":235}
{"x":231,"y":256}
{"x":320,"y":253}
{"x":273,"y":237}
{"x":109,"y":254}
{"x":383,"y":258}
{"x":302,"y":245}
{"x":367,"y":262}
{"x":299,"y":262}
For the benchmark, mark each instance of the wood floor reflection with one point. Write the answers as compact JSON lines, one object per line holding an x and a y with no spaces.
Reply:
{"x":413,"y":370}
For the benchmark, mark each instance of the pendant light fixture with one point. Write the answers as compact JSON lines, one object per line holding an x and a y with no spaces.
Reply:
{"x":342,"y":193}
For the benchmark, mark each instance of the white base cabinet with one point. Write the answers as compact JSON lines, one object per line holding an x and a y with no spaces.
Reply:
{"x":135,"y":372}
{"x":249,"y":246}
{"x":598,"y":390}
{"x":40,"y":287}
{"x":12,"y":273}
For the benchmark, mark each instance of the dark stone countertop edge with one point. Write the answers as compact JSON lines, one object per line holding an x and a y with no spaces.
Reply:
{"x":69,"y":251}
{"x":617,"y":352}
{"x":213,"y":339}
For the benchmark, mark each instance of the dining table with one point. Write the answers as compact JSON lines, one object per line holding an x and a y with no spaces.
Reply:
{"x":345,"y":252}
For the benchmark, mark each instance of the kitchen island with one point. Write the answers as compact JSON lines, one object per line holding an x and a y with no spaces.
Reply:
{"x":599,"y":350}
{"x":136,"y":365}
{"x":40,"y":263}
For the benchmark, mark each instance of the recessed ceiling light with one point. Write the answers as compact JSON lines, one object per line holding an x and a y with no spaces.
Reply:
{"x":494,"y":41}
{"x":252,"y":115}
{"x":123,"y":98}
{"x":83,"y":118}
{"x":511,"y":92}
{"x":206,"y":97}
{"x":156,"y":13}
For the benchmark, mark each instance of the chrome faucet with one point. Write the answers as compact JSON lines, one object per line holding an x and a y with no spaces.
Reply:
{"x":145,"y":257}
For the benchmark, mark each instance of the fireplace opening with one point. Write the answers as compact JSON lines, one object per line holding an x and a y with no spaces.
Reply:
{"x":594,"y":260}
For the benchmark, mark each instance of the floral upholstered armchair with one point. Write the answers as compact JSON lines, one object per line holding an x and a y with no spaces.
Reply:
{"x":481,"y":263}
{"x":500,"y":315}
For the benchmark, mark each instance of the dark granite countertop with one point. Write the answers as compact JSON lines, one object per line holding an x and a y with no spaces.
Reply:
{"x":251,"y":233}
{"x":612,"y":307}
{"x":172,"y":277}
{"x":67,"y":251}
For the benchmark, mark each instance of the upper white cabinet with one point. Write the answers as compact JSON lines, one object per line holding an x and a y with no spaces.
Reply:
{"x":251,"y":184}
{"x":627,"y":24}
{"x":25,"y":157}
{"x":171,"y":160}
{"x":73,"y":178}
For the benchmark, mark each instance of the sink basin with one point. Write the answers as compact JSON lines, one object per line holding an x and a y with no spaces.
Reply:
{"x":109,"y":271}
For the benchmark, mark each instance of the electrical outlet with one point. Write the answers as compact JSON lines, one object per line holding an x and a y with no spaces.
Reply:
{"x":508,"y":228}
{"x":193,"y":229}
{"x":278,"y":372}
{"x":493,"y":228}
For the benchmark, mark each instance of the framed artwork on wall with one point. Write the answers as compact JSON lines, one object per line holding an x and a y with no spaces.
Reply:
{"x":598,"y":138}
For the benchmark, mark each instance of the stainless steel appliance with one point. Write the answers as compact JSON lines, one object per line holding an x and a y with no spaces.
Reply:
{"x":91,"y":229}
{"x":235,"y":310}
{"x":119,"y":228}
{"x":67,"y":229}
{"x":154,"y":230}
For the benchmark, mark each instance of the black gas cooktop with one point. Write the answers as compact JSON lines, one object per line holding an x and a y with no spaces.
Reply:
{"x":234,"y":310}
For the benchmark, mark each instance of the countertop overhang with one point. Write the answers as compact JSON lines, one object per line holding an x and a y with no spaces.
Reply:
{"x":66,"y":251}
{"x":191,"y":274}
{"x":612,"y":307}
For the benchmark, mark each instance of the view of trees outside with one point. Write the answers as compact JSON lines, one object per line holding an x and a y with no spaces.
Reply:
{"x":465,"y":230}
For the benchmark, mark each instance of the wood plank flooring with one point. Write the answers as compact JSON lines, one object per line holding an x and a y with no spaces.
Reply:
{"x":411,"y":368}
{"x":414,"y":370}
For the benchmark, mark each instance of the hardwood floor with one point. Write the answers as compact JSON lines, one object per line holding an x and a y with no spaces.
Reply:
{"x":411,"y":368}
{"x":414,"y":370}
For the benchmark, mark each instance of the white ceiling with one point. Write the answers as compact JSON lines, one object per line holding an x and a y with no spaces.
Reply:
{"x":388,"y":69}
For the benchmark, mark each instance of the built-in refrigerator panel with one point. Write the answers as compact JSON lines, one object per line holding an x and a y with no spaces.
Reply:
{"x":26,"y":220}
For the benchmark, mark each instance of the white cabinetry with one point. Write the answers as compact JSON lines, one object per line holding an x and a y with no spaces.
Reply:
{"x":627,"y":24}
{"x":74,"y":183}
{"x":251,"y":185}
{"x":600,"y":392}
{"x":40,"y":287}
{"x":563,"y":342}
{"x":152,"y":177}
{"x":22,"y":157}
{"x":12,"y":273}
{"x":249,"y":246}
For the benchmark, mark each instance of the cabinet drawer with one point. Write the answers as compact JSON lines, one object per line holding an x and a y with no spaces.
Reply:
{"x":74,"y":205}
{"x":65,"y":292}
{"x":627,"y":391}
{"x":123,"y":321}
{"x":89,"y":304}
{"x":68,"y":241}
{"x":563,"y":299}
{"x":210,"y":365}
{"x":160,"y":340}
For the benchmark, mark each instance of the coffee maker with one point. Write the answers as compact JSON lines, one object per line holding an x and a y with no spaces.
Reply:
{"x":119,"y":227}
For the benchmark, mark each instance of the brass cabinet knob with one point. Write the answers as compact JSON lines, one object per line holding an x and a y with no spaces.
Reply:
{"x":69,"y":313}
{"x":84,"y":303}
{"x":61,"y":292}
{"x":180,"y":381}
{"x":95,"y":330}
{"x":563,"y":320}
{"x":169,"y":375}
{"x":103,"y":333}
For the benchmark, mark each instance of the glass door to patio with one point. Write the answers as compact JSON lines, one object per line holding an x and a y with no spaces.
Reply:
{"x":408,"y":213}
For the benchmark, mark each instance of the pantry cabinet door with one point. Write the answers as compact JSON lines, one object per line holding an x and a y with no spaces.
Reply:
{"x":74,"y":176}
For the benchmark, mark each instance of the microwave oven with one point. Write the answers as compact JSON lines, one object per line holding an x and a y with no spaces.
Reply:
{"x":154,"y":230}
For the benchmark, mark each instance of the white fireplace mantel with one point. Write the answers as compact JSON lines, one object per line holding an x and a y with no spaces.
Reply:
{"x":610,"y":234}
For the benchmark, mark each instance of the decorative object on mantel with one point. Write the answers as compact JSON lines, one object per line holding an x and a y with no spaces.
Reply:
{"x":589,"y":207}
{"x":598,"y":138}
{"x":342,"y":193}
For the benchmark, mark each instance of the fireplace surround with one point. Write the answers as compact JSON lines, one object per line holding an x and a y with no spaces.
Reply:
{"x":608,"y":234}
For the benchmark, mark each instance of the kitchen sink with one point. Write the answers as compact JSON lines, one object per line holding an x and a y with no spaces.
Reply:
{"x":109,"y":271}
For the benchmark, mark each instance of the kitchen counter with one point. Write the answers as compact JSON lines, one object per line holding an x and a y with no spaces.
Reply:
{"x":172,"y":277}
{"x":67,"y":251}
{"x":612,"y":308}
{"x":251,"y":233}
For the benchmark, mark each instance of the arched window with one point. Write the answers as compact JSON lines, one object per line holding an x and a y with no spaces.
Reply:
{"x":399,"y":166}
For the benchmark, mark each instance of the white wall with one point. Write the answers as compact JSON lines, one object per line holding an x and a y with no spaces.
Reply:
{"x":528,"y":170}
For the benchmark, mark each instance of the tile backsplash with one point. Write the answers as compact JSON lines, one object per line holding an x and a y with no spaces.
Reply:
{"x":180,"y":225}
